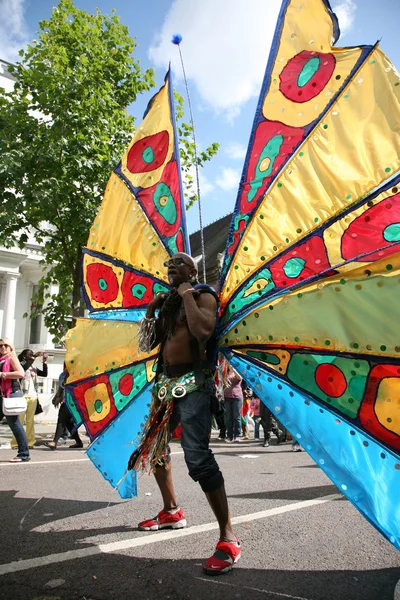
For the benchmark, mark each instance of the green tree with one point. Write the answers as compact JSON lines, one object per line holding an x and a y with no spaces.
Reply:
{"x":63,"y":129}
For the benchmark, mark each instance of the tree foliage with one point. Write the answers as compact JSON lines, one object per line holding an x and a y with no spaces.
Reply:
{"x":64,"y":128}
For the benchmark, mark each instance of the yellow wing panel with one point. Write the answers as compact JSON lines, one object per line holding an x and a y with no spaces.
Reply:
{"x":353,"y":150}
{"x":307,"y":28}
{"x":157,"y":122}
{"x":336,"y":315}
{"x":95,"y":346}
{"x":122,"y":231}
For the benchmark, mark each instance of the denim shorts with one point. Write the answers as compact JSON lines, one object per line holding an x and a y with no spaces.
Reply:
{"x":193,"y":412}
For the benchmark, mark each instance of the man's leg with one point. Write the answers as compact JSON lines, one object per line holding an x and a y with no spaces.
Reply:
{"x":195,"y":419}
{"x":171,"y":516}
{"x":219,"y":505}
{"x":163,"y":475}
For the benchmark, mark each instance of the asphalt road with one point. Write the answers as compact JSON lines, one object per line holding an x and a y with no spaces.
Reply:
{"x":66,"y":535}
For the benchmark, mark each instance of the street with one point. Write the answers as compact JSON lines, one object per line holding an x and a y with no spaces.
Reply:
{"x":66,"y":535}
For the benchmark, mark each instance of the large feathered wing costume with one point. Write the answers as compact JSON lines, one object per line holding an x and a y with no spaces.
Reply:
{"x":140,"y":224}
{"x":309,"y":284}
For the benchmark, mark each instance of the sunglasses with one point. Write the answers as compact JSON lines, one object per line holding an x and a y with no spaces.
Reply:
{"x":4,"y":346}
{"x":176,"y":262}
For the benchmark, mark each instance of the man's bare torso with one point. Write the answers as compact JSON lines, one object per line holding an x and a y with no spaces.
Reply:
{"x":177,"y":347}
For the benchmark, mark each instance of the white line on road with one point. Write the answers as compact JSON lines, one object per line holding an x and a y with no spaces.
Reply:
{"x":252,"y":589}
{"x":45,"y":462}
{"x":54,"y":462}
{"x":23,"y":565}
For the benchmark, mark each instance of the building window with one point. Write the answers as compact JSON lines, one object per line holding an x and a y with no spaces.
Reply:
{"x":36,"y":322}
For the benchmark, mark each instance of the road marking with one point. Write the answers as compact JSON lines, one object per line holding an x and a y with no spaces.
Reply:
{"x":45,"y":462}
{"x":252,"y":589}
{"x":41,"y":561}
{"x":28,"y":511}
{"x":31,"y":563}
{"x":54,"y":462}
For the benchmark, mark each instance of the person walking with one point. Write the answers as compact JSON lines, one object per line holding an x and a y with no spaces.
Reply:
{"x":10,"y":372}
{"x":255,"y":407}
{"x":29,"y":385}
{"x":65,"y":419}
{"x":183,"y":392}
{"x":269,"y":425}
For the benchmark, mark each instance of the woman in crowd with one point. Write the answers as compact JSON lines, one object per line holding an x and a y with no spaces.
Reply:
{"x":233,"y":402}
{"x":30,"y":389}
{"x":10,"y":373}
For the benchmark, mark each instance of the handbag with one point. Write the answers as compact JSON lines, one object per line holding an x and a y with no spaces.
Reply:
{"x":39,"y":408}
{"x":15,"y":404}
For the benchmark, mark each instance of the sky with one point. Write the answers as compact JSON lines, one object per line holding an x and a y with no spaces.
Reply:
{"x":225,"y":49}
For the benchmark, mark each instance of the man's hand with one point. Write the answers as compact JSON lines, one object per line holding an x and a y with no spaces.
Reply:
{"x":186,"y":287}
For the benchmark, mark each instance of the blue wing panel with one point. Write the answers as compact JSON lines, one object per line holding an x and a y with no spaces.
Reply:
{"x":111,"y":451}
{"x":367,"y":473}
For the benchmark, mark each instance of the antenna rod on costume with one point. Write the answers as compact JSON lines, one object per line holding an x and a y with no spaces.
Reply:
{"x":176,"y":39}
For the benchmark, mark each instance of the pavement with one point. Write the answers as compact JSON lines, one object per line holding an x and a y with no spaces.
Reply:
{"x":66,"y":535}
{"x":44,"y":431}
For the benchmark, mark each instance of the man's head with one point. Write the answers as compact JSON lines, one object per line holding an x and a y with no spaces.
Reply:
{"x":181,"y":268}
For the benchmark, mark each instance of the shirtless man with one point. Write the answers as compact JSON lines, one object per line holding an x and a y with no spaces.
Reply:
{"x":188,"y":316}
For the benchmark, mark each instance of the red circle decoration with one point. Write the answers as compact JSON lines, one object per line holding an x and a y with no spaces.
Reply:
{"x":125,"y":384}
{"x":289,"y":77}
{"x":157,"y":144}
{"x":368,"y":416}
{"x":102,"y":282}
{"x":313,"y":252}
{"x":330,"y":380}
{"x":366,"y":233}
{"x":170,"y":177}
{"x":130,"y":279}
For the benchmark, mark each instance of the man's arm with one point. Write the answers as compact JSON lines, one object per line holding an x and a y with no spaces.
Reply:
{"x":200,"y":310}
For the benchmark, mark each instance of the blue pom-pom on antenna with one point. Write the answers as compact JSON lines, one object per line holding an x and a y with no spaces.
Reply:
{"x":176,"y":39}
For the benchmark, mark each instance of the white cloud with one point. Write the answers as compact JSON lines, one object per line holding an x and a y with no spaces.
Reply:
{"x":345,"y":11}
{"x":228,"y":179}
{"x":206,"y":187}
{"x":225,"y":47}
{"x":235,"y":150}
{"x":13,"y":29}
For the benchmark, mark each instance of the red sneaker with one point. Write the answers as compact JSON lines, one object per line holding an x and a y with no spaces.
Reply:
{"x":225,"y":556}
{"x":164,"y":520}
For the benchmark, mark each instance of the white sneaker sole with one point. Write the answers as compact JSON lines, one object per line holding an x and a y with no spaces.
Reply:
{"x":220,"y":572}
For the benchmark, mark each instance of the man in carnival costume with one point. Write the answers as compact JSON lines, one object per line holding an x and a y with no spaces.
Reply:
{"x":183,"y":393}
